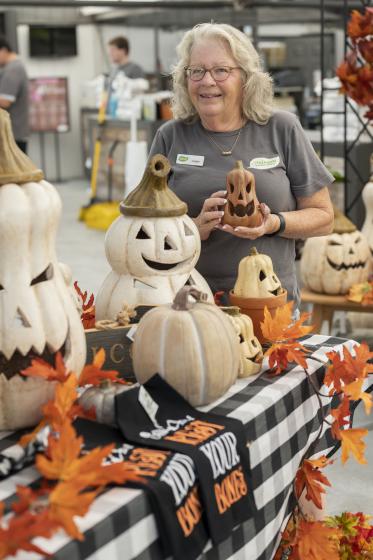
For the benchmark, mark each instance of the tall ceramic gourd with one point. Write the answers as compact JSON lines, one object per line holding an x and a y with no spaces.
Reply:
{"x":152,"y":247}
{"x":367,"y":196}
{"x":38,"y":317}
{"x":242,"y":208}
{"x":192,"y":345}
{"x":333,"y":263}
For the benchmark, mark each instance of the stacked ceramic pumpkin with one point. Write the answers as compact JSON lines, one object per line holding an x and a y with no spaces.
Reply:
{"x":152,"y":247}
{"x":38,"y":317}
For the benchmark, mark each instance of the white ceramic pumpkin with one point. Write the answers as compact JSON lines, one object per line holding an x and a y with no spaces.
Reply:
{"x":250,"y":348}
{"x":38,"y":317}
{"x":333,"y":263}
{"x":256,"y":277}
{"x":152,"y":248}
{"x":367,"y":196}
{"x":193,"y":346}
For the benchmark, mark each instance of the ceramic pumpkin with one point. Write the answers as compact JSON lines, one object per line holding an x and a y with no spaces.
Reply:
{"x":256,"y":277}
{"x":367,"y":196}
{"x":250,"y":347}
{"x":193,"y":346}
{"x":152,"y":247}
{"x":333,"y":263}
{"x":102,"y":400}
{"x":38,"y":317}
{"x":242,"y":208}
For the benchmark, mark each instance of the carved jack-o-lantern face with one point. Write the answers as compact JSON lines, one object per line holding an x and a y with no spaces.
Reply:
{"x":146,"y":247}
{"x":250,"y":347}
{"x":256,"y":277}
{"x":332,"y":264}
{"x":37,"y":314}
{"x":242,"y":208}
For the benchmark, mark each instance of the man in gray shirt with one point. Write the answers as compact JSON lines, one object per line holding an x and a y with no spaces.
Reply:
{"x":14,"y":92}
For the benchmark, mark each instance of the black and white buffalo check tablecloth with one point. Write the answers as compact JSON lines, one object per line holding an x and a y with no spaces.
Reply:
{"x":281,"y":416}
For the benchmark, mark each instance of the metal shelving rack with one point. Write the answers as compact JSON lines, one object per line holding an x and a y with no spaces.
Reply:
{"x":354,"y":177}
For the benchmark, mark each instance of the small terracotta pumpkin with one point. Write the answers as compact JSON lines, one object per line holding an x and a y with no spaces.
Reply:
{"x":101,"y":399}
{"x":242,"y":208}
{"x":333,"y":263}
{"x":250,"y":347}
{"x":256,"y":277}
{"x":192,"y":345}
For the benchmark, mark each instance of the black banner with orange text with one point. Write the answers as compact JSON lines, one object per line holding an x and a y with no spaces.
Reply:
{"x":155,"y":415}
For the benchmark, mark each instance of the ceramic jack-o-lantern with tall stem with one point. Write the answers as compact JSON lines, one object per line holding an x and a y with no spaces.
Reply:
{"x":333,"y":263}
{"x":242,"y":207}
{"x":152,"y":247}
{"x":38,"y":317}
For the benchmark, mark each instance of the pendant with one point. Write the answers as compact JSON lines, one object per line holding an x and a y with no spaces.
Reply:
{"x":228,"y":153}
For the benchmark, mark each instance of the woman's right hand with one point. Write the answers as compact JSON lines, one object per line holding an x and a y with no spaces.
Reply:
{"x":210,"y":215}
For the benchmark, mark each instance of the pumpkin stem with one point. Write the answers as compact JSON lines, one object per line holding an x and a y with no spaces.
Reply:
{"x":238,"y":164}
{"x":15,"y":166}
{"x":253,"y":251}
{"x":232,"y":310}
{"x":181,"y":302}
{"x":152,"y":197}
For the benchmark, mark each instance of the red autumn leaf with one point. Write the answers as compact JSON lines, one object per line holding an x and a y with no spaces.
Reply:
{"x":21,"y":530}
{"x":310,"y":477}
{"x":41,"y":368}
{"x":27,"y":497}
{"x":88,"y":312}
{"x":316,"y":541}
{"x":281,"y":326}
{"x":352,"y":443}
{"x":280,"y":355}
{"x":359,"y":24}
{"x":341,"y":416}
{"x":92,"y":374}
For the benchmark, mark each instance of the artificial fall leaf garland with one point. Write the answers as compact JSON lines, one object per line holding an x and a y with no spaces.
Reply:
{"x":305,"y":539}
{"x":70,"y":481}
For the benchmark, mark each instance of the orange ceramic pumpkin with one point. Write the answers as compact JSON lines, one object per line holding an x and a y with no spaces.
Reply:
{"x":242,"y":208}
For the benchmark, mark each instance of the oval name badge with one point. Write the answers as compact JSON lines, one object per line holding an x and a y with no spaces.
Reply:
{"x":264,"y":163}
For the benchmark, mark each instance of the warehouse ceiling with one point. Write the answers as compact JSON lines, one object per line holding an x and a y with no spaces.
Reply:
{"x":178,"y":13}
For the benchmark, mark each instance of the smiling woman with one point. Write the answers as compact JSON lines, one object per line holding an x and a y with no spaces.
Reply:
{"x":223,"y":114}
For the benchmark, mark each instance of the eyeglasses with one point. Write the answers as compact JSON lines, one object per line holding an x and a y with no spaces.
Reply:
{"x":218,"y":73}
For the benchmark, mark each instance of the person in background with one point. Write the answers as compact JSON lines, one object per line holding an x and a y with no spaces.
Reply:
{"x":119,"y":49}
{"x":223,"y":112}
{"x":14,"y":92}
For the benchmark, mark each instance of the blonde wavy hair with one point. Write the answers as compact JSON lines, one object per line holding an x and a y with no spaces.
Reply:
{"x":257,"y":101}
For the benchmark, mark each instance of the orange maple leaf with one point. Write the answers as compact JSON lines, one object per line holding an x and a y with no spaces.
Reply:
{"x":281,"y":326}
{"x":41,"y":368}
{"x":280,"y":355}
{"x":308,"y":476}
{"x":67,"y":501}
{"x":92,"y":374}
{"x":352,"y":443}
{"x":316,"y":541}
{"x":354,"y":391}
{"x":341,"y":415}
{"x":349,"y":368}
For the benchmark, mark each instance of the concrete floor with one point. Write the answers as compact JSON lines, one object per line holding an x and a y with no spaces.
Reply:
{"x":83,"y":250}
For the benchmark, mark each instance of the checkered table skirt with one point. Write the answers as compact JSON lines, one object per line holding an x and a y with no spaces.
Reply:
{"x":282,"y":418}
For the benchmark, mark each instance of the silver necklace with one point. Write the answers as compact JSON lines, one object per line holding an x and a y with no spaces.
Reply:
{"x":224,"y":152}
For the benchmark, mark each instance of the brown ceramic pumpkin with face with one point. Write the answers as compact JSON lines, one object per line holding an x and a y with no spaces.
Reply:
{"x":242,"y":207}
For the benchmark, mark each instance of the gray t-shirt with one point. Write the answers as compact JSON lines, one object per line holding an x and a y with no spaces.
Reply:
{"x":285,"y":166}
{"x":14,"y":87}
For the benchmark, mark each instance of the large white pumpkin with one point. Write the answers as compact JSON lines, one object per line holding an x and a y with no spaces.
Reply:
{"x":192,"y":345}
{"x":37,"y":313}
{"x":152,"y":248}
{"x":333,"y":263}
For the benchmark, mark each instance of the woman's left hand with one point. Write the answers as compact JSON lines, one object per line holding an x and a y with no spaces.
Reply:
{"x":269,"y":225}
